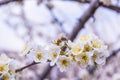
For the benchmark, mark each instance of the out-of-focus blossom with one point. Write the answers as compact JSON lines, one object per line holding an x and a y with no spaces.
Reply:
{"x":26,"y":49}
{"x":8,"y":68}
{"x":4,"y":64}
{"x":4,"y":59}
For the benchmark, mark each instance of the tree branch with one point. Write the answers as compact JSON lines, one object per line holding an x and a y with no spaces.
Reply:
{"x":47,"y":71}
{"x":112,"y":7}
{"x":87,"y":14}
{"x":113,"y":54}
{"x":7,"y":1}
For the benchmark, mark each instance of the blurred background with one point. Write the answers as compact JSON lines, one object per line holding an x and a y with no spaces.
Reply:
{"x":41,"y":21}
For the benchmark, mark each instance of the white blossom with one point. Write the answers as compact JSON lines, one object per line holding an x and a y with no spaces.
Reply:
{"x":76,"y":48}
{"x":53,"y":54}
{"x":26,"y":49}
{"x":83,"y":59}
{"x":39,"y":56}
{"x":4,"y":59}
{"x":99,"y":57}
{"x":64,"y":63}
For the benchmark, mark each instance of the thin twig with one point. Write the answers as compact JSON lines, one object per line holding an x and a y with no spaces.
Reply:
{"x":112,"y":7}
{"x":50,"y":8}
{"x":21,"y":69}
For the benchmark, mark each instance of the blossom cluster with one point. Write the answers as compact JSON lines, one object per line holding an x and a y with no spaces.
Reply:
{"x":7,"y":68}
{"x":87,"y":51}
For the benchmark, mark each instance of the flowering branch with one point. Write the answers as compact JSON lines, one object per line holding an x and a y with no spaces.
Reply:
{"x":88,"y":51}
{"x":89,"y":12}
{"x":76,"y":53}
